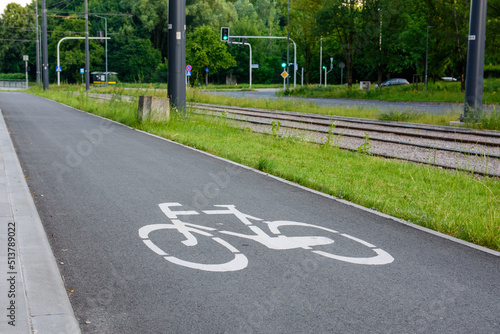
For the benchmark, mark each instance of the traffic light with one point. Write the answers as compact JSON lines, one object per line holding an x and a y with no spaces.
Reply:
{"x":224,"y":34}
{"x":283,"y":61}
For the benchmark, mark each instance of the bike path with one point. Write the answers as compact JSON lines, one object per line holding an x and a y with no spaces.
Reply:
{"x":96,"y":184}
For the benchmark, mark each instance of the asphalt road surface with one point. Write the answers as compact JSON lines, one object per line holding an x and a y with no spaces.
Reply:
{"x":432,"y":108}
{"x":275,"y":258}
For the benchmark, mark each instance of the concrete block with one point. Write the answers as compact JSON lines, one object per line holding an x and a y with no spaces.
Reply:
{"x":153,"y":108}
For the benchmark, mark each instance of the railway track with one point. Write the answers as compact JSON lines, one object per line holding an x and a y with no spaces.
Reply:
{"x":447,"y":147}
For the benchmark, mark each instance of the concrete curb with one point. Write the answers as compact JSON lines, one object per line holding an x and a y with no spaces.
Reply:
{"x":43,"y":304}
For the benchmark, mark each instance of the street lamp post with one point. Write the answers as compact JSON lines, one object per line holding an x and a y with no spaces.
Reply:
{"x":427,"y":55}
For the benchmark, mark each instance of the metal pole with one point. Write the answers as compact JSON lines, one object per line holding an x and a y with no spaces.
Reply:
{"x":177,"y":53}
{"x":288,"y":43}
{"x":475,"y":57}
{"x":325,"y":77}
{"x":294,"y":65}
{"x":302,"y":78}
{"x":45,"y":53}
{"x":26,"y":71}
{"x":320,"y":59}
{"x":37,"y":46}
{"x":250,"y":63}
{"x":427,"y":55}
{"x":341,"y":77}
{"x":87,"y":60}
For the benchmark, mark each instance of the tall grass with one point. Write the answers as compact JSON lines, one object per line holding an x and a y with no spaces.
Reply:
{"x":455,"y":203}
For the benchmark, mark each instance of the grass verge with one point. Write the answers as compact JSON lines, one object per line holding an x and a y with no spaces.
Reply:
{"x":455,"y":203}
{"x":196,"y":95}
{"x":438,"y":91}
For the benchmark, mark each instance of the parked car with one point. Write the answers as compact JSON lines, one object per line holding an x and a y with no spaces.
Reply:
{"x":449,"y":79}
{"x":393,"y":82}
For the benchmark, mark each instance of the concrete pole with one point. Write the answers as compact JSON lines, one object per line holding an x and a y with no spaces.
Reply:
{"x":475,"y":57}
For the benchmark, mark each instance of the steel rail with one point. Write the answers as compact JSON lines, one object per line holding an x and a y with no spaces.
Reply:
{"x":437,"y":128}
{"x":298,"y":120}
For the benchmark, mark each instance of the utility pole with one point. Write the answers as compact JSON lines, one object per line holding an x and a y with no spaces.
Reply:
{"x":475,"y":57}
{"x":87,"y":60}
{"x":177,"y":54}
{"x":45,"y":61}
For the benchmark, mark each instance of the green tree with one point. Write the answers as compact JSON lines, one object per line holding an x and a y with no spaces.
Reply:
{"x":205,"y":49}
{"x":135,"y":59}
{"x":16,"y":28}
{"x":212,"y":13}
{"x":303,"y":29}
{"x":72,"y":52}
{"x":342,"y":20}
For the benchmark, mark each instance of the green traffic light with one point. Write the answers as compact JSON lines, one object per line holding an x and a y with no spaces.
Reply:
{"x":224,"y":38}
{"x":283,"y":64}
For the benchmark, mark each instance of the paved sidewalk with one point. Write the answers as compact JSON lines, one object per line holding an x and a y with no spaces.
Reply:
{"x":32,"y":295}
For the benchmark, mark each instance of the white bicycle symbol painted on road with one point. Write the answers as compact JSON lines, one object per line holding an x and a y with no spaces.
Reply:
{"x":273,"y":240}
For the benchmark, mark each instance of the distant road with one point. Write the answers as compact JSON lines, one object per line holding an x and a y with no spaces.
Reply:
{"x":433,"y":108}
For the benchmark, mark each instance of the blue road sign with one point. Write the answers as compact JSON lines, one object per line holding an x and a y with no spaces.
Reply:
{"x":82,"y":70}
{"x":58,"y":69}
{"x":188,"y":73}
{"x":206,"y":69}
{"x":188,"y":68}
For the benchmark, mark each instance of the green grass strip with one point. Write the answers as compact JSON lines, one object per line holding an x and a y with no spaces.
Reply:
{"x":456,"y":203}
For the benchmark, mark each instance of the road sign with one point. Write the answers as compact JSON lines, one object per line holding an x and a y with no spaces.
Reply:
{"x":188,"y":68}
{"x":255,"y":65}
{"x":342,"y":65}
{"x":82,"y":70}
{"x":206,"y":69}
{"x":58,"y":69}
{"x":284,"y":74}
{"x":25,"y":58}
{"x":188,"y":73}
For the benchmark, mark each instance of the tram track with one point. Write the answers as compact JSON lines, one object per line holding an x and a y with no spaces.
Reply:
{"x":447,"y":147}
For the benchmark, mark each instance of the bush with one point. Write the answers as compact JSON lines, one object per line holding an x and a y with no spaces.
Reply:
{"x":492,"y":71}
{"x":12,"y":76}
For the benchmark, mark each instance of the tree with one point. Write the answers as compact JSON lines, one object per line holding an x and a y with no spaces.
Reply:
{"x":204,"y":49}
{"x":342,"y":20}
{"x":212,"y":13}
{"x":135,"y":59}
{"x":16,"y":27}
{"x":72,"y":52}
{"x":303,"y":29}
